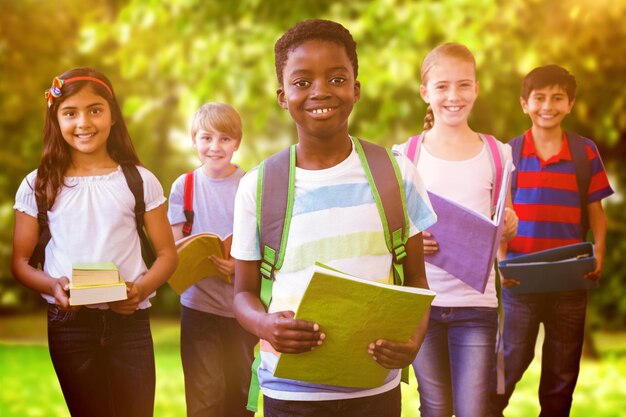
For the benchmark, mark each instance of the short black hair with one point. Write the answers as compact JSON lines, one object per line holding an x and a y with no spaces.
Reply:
{"x":313,"y":29}
{"x":547,"y":76}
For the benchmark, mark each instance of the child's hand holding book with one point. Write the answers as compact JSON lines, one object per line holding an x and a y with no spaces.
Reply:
{"x":288,"y":335}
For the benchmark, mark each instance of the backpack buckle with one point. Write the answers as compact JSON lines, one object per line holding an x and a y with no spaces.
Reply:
{"x":267,"y":270}
{"x":399,"y":253}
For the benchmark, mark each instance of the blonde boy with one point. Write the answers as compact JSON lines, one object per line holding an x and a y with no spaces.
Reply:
{"x":216,"y":351}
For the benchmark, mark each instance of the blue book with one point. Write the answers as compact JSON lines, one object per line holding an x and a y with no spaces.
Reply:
{"x":559,"y":269}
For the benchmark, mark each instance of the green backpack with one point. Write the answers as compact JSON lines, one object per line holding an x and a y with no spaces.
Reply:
{"x":277,"y":175}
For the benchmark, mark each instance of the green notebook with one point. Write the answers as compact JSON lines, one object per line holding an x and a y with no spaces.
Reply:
{"x":353,"y":313}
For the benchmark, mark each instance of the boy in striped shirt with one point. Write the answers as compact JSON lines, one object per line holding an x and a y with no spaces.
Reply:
{"x":548,"y":204}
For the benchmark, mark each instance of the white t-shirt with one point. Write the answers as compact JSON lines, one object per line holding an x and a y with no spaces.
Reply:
{"x":335,"y":221}
{"x":469,"y":183}
{"x":213,"y":206}
{"x":93,"y":220}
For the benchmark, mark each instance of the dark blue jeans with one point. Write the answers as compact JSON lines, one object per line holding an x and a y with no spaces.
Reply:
{"x":217,"y":355}
{"x":563,"y":317}
{"x":387,"y":404}
{"x":104,"y":361}
{"x":453,"y":366}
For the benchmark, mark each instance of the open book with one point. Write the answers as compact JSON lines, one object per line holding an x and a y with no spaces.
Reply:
{"x":468,"y":241}
{"x":96,"y":282}
{"x":558,"y":269}
{"x":193,"y":259}
{"x":353,"y":313}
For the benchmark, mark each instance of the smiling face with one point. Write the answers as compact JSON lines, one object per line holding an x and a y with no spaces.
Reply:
{"x":451,"y":89}
{"x":215,"y":150}
{"x":547,"y":106}
{"x":319,"y":90}
{"x":85,"y":122}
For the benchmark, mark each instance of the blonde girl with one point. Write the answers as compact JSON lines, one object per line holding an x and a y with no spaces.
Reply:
{"x":454,"y":364}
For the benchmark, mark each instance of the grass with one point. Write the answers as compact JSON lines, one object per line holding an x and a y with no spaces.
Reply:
{"x":30,"y":388}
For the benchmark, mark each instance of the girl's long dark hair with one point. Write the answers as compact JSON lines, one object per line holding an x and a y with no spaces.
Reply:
{"x":56,"y":157}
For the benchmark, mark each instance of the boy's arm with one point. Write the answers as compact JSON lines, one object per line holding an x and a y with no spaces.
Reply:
{"x":393,"y":355}
{"x":280,"y":329}
{"x":597,"y":224}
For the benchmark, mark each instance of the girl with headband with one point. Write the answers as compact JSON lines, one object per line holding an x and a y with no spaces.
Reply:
{"x":102,"y":353}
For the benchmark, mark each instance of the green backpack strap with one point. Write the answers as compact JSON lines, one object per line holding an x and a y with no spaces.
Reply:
{"x":275,"y":194}
{"x":380,"y":167}
{"x":500,"y":336}
{"x":274,"y":202}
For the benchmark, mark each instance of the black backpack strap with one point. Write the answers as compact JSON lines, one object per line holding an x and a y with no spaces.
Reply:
{"x":517,"y":143}
{"x":135,"y":183}
{"x":578,"y":148}
{"x":38,"y":257}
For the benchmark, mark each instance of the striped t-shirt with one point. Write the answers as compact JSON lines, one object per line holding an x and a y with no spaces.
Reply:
{"x":335,"y":221}
{"x":547,"y":201}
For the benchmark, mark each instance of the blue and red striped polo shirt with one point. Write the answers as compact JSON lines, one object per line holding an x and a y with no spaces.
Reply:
{"x":547,"y":201}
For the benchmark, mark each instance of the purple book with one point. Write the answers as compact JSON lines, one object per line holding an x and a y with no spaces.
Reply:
{"x":468,"y":241}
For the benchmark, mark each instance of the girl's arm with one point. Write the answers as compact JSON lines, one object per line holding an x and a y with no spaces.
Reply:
{"x":393,"y":355}
{"x":597,"y":224}
{"x":280,"y":329}
{"x":25,"y":237}
{"x":510,"y":220}
{"x":164,"y":266}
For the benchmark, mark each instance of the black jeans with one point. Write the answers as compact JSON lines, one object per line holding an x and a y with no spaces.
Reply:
{"x":104,"y":361}
{"x":217,"y":355}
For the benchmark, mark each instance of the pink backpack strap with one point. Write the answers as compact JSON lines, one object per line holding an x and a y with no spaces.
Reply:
{"x":496,"y":166}
{"x":413,"y":147}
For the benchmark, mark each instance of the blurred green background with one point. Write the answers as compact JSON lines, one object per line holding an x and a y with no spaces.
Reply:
{"x":165,"y":58}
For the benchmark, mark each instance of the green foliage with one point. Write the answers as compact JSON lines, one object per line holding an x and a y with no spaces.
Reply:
{"x":165,"y":58}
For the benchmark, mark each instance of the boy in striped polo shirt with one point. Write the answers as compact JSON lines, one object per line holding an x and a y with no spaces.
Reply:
{"x":548,"y":204}
{"x":335,"y":221}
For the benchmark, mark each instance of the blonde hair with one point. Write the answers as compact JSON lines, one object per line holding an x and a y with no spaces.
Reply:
{"x":447,"y":50}
{"x":217,"y":116}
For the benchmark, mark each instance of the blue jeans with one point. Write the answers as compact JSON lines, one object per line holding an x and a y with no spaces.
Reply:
{"x":217,"y":355}
{"x":454,"y":364}
{"x":104,"y":361}
{"x":387,"y":404}
{"x":563,"y":317}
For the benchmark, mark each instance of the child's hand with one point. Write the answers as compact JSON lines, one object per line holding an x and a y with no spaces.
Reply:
{"x":225,"y":266}
{"x":128,"y":306}
{"x":288,"y":335}
{"x":430,"y":245}
{"x":595,"y":274}
{"x":60,"y":291}
{"x":394,"y":355}
{"x":509,"y":282}
{"x":510,"y":224}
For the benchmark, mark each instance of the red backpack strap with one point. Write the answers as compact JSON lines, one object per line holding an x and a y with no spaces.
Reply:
{"x":496,"y":166}
{"x":413,"y":147}
{"x":188,"y":203}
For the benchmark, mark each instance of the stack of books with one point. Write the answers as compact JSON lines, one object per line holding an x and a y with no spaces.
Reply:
{"x":96,"y":282}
